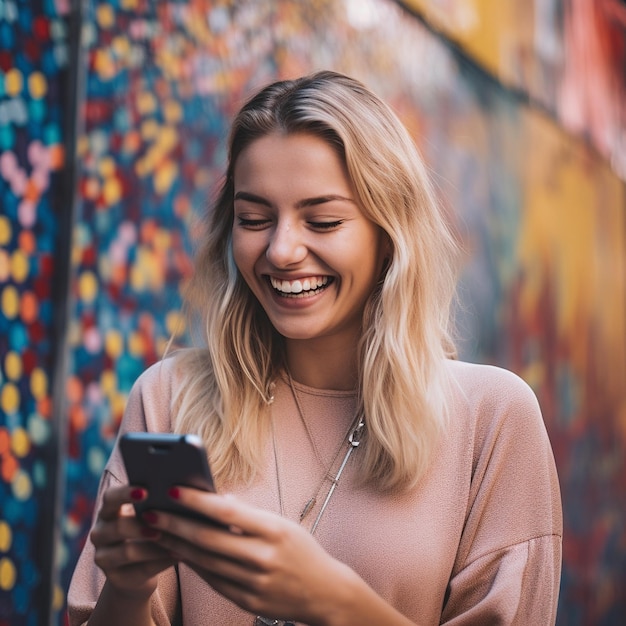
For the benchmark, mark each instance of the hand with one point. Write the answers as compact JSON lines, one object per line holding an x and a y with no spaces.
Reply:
{"x":265,"y":564}
{"x":125,"y":549}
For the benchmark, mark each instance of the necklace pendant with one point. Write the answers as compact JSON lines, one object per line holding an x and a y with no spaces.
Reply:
{"x":307,"y":507}
{"x":268,"y":621}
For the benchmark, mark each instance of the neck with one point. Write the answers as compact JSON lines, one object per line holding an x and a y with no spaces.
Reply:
{"x":323,"y":365}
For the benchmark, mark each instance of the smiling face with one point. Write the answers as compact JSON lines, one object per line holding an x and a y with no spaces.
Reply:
{"x":300,"y":240}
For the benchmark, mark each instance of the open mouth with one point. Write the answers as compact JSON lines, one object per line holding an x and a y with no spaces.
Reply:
{"x":301,"y":288}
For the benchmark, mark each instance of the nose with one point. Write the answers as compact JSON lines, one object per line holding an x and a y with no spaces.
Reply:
{"x":286,"y":245}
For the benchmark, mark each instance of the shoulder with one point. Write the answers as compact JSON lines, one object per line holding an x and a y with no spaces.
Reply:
{"x":165,"y":375}
{"x":480,"y":386}
{"x":493,"y":406}
{"x":151,"y":396}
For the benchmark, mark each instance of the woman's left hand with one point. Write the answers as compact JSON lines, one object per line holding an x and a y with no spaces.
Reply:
{"x":265,"y":564}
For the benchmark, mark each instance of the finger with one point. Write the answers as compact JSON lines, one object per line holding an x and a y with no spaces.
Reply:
{"x":193,"y":537}
{"x":227,"y":510}
{"x":120,"y":529}
{"x":131,"y":553}
{"x":116,"y":497}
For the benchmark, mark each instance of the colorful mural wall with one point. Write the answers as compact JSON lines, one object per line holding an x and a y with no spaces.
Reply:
{"x":35,"y":49}
{"x":532,"y":178}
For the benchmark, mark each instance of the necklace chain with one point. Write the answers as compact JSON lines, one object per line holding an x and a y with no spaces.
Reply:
{"x":352,"y":439}
{"x":310,"y":503}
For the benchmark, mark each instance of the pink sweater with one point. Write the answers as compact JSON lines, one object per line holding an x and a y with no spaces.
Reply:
{"x":477,"y":542}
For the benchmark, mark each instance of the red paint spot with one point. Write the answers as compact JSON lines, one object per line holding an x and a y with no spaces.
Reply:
{"x":6,"y":63}
{"x":37,"y":331}
{"x":32,"y":49}
{"x":41,"y":28}
{"x":29,"y":361}
{"x":42,"y":287}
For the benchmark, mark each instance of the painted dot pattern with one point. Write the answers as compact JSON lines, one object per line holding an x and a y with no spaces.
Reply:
{"x":33,"y":72}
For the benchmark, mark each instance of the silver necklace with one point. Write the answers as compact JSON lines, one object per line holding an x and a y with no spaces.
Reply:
{"x":353,"y":439}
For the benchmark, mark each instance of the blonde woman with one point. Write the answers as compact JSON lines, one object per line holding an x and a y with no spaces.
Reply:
{"x":364,"y":475}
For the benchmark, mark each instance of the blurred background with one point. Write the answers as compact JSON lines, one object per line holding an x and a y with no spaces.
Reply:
{"x":112,"y":124}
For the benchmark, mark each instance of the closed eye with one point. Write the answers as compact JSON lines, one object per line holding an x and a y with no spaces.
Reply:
{"x":326,"y":225}
{"x":252,"y":224}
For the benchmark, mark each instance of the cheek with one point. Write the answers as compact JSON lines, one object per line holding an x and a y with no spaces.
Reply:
{"x":241,"y":254}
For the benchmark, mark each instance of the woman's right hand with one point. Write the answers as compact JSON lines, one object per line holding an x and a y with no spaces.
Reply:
{"x":124,"y":546}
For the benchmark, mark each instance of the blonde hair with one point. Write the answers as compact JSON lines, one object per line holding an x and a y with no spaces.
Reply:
{"x":406,"y":335}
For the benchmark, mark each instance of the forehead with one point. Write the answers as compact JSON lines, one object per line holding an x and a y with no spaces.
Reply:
{"x":287,"y":151}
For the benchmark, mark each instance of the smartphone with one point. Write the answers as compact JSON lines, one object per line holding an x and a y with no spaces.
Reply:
{"x":159,"y":461}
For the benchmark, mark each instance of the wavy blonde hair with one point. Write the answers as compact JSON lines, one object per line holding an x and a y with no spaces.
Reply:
{"x":406,"y":331}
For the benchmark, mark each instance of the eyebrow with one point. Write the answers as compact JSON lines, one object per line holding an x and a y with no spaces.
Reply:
{"x":306,"y":202}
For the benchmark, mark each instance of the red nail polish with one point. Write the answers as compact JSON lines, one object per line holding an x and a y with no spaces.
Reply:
{"x":150,"y":517}
{"x":174,"y":493}
{"x":138,"y":494}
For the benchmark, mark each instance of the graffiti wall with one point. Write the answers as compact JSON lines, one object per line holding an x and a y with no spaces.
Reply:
{"x":34,"y":233}
{"x":536,"y":199}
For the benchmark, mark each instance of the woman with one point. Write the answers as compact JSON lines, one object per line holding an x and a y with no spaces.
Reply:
{"x":364,"y":476}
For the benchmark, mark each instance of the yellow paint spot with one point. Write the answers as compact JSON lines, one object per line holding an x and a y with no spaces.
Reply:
{"x":146,"y":103}
{"x":136,"y":344}
{"x":106,"y":167}
{"x":104,"y":65}
{"x":112,"y":191}
{"x":5,"y":230}
{"x":37,"y":85}
{"x":6,"y":537}
{"x":38,"y":383}
{"x":19,"y":266}
{"x":113,"y":343}
{"x":150,"y":129}
{"x":9,"y":398}
{"x":7,"y":574}
{"x":172,"y":111}
{"x":175,"y":323}
{"x":167,"y":139}
{"x":20,"y":443}
{"x":13,"y":365}
{"x":121,"y":47}
{"x":88,"y":287}
{"x":165,"y":176}
{"x":108,"y":382}
{"x":105,"y":16}
{"x":13,"y":82}
{"x":58,"y":599}
{"x":10,"y":302}
{"x":22,"y":485}
{"x":117,"y":403}
{"x":138,"y":278}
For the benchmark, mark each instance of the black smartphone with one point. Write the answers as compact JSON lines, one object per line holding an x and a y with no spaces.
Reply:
{"x":159,"y":461}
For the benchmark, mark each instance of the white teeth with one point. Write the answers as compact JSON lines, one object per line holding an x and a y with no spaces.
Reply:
{"x":298,"y":286}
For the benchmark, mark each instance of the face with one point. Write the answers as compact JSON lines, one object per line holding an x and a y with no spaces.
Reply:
{"x":300,"y":240}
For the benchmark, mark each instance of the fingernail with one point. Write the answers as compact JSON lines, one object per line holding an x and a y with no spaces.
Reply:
{"x":138,"y":494}
{"x":150,"y":533}
{"x":150,"y":517}
{"x":174,"y":493}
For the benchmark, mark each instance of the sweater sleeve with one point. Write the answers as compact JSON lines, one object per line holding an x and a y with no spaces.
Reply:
{"x":147,"y":409}
{"x":508,"y":564}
